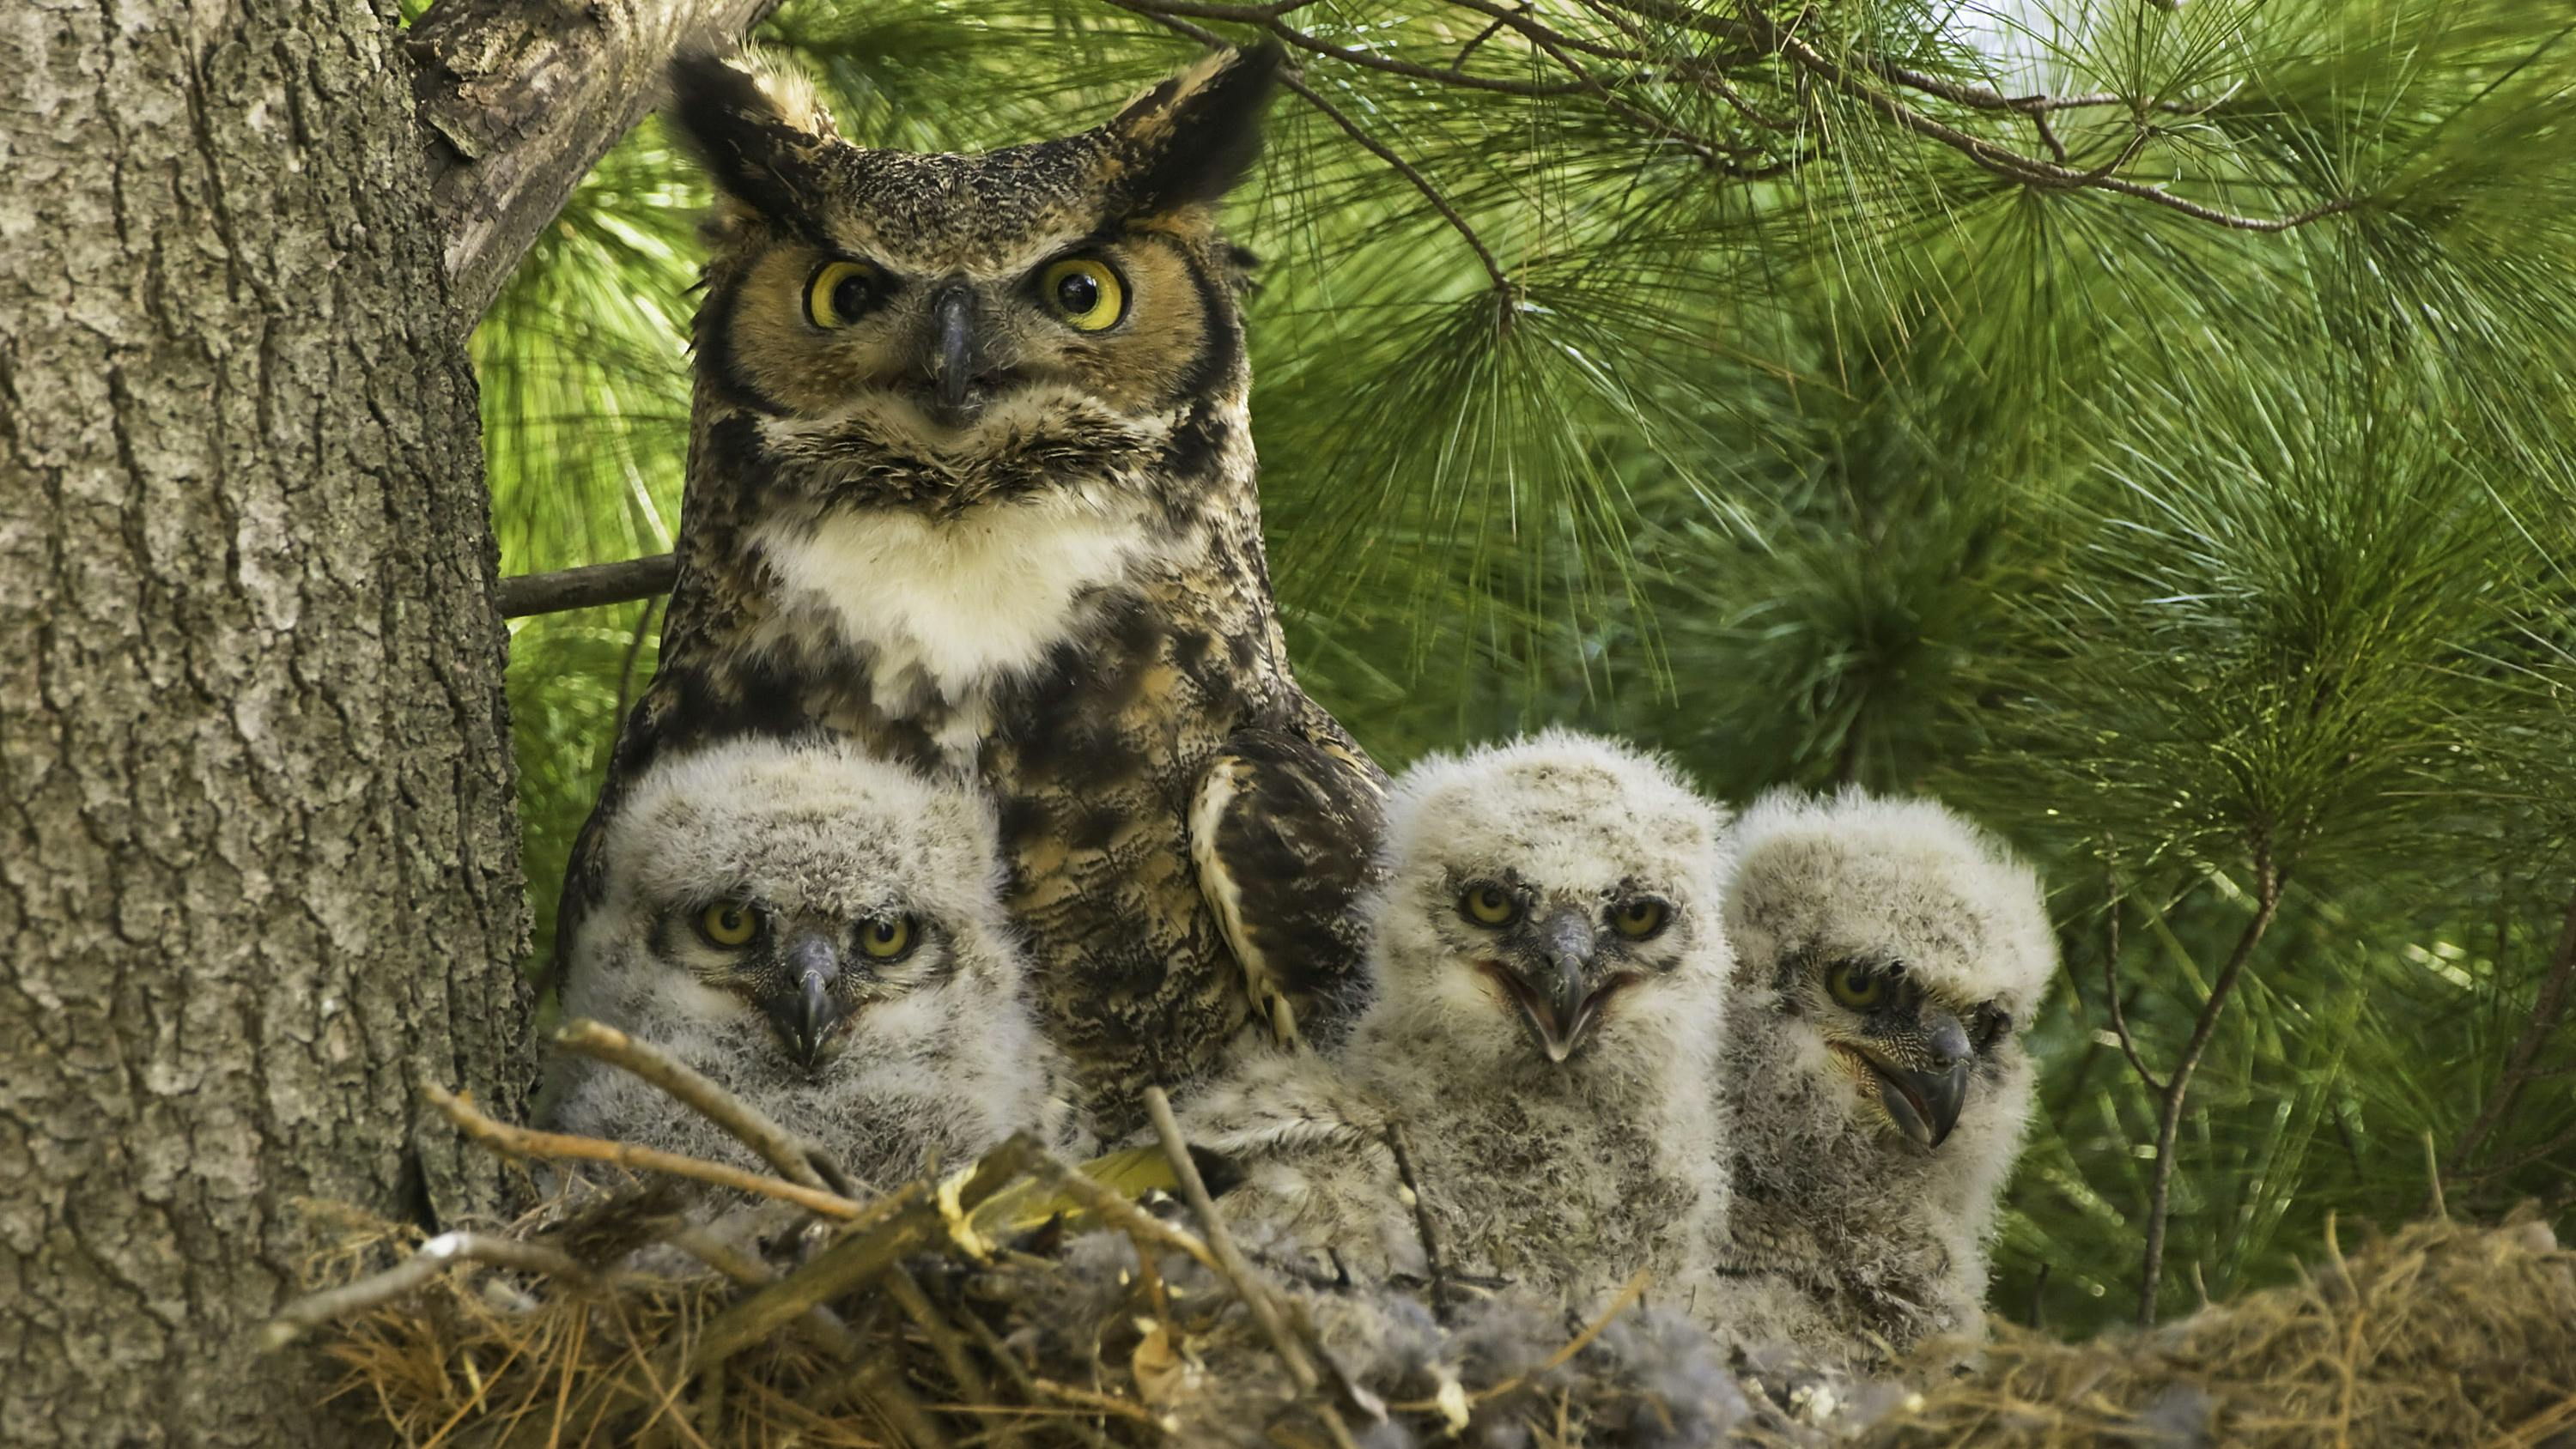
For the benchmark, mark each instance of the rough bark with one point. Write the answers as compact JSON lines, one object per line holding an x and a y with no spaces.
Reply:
{"x":524,"y":95}
{"x":258,"y":870}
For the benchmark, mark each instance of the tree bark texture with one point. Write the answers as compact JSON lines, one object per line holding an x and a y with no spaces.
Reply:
{"x":524,"y":95}
{"x":258,"y":863}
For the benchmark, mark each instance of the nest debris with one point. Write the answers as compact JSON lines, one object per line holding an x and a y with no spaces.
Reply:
{"x":2441,"y":1334}
{"x":619,"y":1313}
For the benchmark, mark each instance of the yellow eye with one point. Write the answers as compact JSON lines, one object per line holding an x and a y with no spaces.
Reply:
{"x":886,"y":937}
{"x":1639,"y":918}
{"x":1856,"y":986}
{"x":1488,"y":904}
{"x":1085,"y":292}
{"x":840,"y":292}
{"x":729,"y":924}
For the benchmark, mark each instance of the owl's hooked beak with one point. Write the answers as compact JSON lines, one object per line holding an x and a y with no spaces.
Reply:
{"x":1552,"y":991}
{"x":954,"y":359}
{"x":1924,"y":1102}
{"x":805,"y":1012}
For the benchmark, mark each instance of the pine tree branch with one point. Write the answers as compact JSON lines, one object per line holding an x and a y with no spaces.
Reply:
{"x":2177,"y":1087}
{"x":521,"y":97}
{"x":2547,"y":1014}
{"x":2014,"y":165}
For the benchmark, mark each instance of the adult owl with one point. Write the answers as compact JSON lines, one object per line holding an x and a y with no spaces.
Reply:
{"x":1551,"y":975}
{"x":1889,"y":956}
{"x":822,"y":934}
{"x":971,"y":484}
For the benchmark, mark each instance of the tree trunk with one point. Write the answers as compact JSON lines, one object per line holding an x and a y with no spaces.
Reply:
{"x":258,"y":870}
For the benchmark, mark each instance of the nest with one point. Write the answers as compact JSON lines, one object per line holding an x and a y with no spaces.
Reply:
{"x":626,"y":1311}
{"x":2441,"y":1334}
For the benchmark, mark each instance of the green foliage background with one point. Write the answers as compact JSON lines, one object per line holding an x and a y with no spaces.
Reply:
{"x":2187,"y":556}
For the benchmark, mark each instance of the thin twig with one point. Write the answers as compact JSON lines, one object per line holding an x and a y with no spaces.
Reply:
{"x":2111,"y":995}
{"x":2011,"y":164}
{"x":635,"y":650}
{"x":2178,"y":1085}
{"x":1422,"y":1225}
{"x":905,"y":1289}
{"x":1405,"y":169}
{"x":2547,"y":1014}
{"x":588,"y":586}
{"x":798,"y":1159}
{"x":1627,"y":1296}
{"x":910,"y":1220}
{"x":1119,"y":1213}
{"x":432,"y":1258}
{"x":1238,"y":1273}
{"x":523,"y":1142}
{"x":1021,"y":1379}
{"x":827,"y":1326}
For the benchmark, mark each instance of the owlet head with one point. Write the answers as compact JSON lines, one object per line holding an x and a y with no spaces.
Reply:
{"x":1545,"y":894}
{"x":800,"y":894}
{"x":894,"y":301}
{"x":1904,"y":946}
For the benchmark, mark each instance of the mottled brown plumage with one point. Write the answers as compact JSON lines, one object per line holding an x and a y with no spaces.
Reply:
{"x":934,"y":508}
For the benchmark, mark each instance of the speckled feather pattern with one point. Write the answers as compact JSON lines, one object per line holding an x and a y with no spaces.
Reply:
{"x":1064,"y":600}
{"x":1847,"y":1239}
{"x":1562,"y":1179}
{"x":943,"y":1062}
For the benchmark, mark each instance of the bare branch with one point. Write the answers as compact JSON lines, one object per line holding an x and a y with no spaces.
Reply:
{"x":523,"y":96}
{"x":2111,"y":993}
{"x":1422,"y":1226}
{"x":1231,"y":1265}
{"x":2547,"y":1014}
{"x":1121,"y":1214}
{"x":432,"y":1258}
{"x":827,"y":1326}
{"x":2012,"y":164}
{"x":1405,"y":169}
{"x":523,"y":1142}
{"x":798,"y":1159}
{"x":911,"y":1220}
{"x":588,"y":586}
{"x":2178,"y":1085}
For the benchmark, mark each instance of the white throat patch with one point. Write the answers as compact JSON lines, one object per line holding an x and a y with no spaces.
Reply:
{"x":956,"y":604}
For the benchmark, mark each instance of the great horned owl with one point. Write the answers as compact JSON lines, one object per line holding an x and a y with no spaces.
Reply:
{"x":1550,"y":989}
{"x":822,"y":934}
{"x":971,"y":483}
{"x":1888,"y":957}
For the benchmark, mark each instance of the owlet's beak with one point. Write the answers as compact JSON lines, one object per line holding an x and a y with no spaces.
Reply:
{"x":805,"y":1011}
{"x":1551,"y":991}
{"x":1924,"y":1102}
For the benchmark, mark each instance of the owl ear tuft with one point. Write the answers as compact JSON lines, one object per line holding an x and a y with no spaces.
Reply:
{"x":756,"y":126}
{"x":1188,"y":141}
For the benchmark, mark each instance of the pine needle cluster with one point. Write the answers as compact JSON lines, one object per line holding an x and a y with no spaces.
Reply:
{"x":2147,"y":427}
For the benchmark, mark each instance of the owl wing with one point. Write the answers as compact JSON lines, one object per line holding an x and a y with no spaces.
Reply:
{"x":1284,"y":832}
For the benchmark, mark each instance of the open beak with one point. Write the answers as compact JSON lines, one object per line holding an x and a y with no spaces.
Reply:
{"x":1924,"y":1103}
{"x":1552,"y":994}
{"x":805,"y":1012}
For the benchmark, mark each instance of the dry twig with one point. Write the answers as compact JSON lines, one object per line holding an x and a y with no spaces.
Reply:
{"x":798,"y":1159}
{"x":1238,"y":1273}
{"x":411,"y":1274}
{"x":525,"y":1142}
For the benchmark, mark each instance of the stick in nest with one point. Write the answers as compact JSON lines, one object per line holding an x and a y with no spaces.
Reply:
{"x":432,"y":1258}
{"x":1422,"y":1228}
{"x":796,"y":1158}
{"x":523,"y":1142}
{"x":1231,"y":1265}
